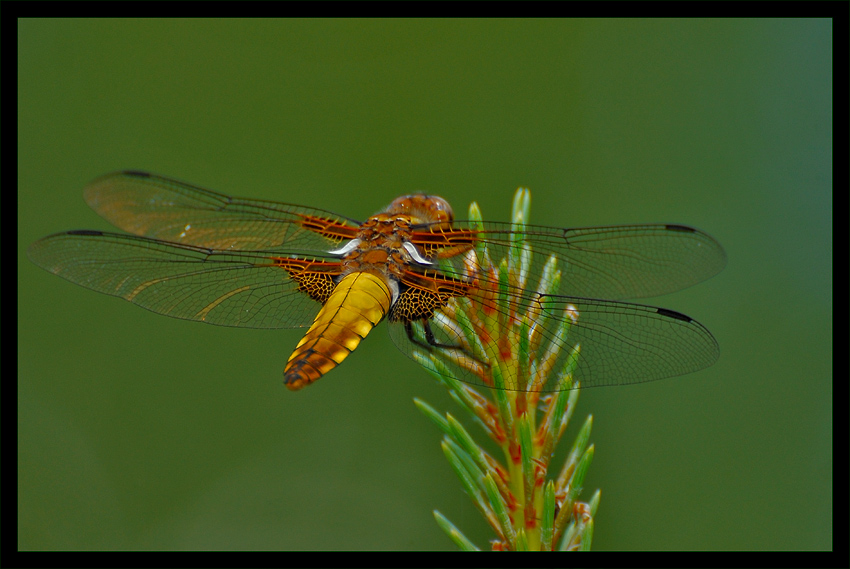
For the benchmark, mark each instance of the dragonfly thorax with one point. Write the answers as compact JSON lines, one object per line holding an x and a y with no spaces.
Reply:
{"x":383,"y":248}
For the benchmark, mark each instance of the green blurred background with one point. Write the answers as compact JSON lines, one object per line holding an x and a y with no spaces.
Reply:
{"x":143,"y":432}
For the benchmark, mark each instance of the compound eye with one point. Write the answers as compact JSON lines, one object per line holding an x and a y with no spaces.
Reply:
{"x":440,"y":209}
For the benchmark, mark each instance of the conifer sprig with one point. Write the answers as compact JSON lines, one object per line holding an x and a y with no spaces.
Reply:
{"x":526,"y":507}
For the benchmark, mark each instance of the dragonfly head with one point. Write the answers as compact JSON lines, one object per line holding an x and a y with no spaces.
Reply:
{"x":422,"y":208}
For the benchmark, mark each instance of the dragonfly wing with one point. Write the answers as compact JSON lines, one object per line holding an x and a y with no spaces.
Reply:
{"x":155,"y":206}
{"x":229,"y":288}
{"x":622,"y":343}
{"x":617,"y":343}
{"x":618,"y":262}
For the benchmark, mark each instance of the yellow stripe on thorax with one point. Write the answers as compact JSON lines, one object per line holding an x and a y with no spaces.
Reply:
{"x":357,"y":304}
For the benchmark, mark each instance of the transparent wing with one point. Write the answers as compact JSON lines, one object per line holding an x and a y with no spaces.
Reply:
{"x":618,"y":262}
{"x":229,"y":288}
{"x":154,"y":206}
{"x":616,"y":343}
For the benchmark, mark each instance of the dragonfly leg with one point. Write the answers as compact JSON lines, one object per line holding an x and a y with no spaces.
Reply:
{"x":470,"y":366}
{"x":430,"y":339}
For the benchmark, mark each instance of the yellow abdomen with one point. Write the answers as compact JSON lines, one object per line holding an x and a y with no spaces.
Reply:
{"x":357,"y":304}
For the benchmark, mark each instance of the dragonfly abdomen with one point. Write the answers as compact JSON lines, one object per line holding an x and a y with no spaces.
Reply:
{"x":358,"y":303}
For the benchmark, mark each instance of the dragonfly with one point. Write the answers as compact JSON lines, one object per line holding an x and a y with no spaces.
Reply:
{"x":469,"y":292}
